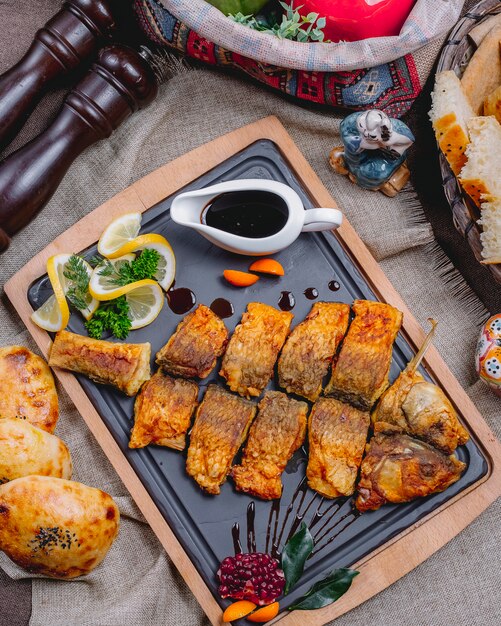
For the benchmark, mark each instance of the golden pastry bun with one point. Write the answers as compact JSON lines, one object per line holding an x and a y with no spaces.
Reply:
{"x":56,"y":527}
{"x":27,"y":450}
{"x":27,"y":388}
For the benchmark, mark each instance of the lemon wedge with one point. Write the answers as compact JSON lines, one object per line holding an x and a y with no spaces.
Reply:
{"x":102,"y":287}
{"x":125,"y":228}
{"x":145,"y":303}
{"x":167,"y":262}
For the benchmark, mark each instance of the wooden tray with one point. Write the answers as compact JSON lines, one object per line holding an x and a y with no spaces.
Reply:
{"x":455,"y":55}
{"x":396,"y":557}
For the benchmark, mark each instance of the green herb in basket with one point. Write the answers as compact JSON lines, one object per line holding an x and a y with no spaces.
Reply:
{"x":293,"y":25}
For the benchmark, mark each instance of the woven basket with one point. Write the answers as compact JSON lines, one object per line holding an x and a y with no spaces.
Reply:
{"x":456,"y":54}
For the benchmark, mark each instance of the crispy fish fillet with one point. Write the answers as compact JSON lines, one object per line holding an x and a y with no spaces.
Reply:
{"x":310,"y":348}
{"x":360,"y":374}
{"x":398,"y":468}
{"x":162,"y":412}
{"x":419,"y":408}
{"x":276,"y":433}
{"x":253,"y":349}
{"x":124,"y":365}
{"x":221,"y":426}
{"x":193,"y":349}
{"x":337,"y":434}
{"x":27,"y":389}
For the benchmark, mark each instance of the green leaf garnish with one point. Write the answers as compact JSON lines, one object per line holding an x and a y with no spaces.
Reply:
{"x":112,"y":316}
{"x":292,"y":26}
{"x":326,"y":591}
{"x":294,"y":556}
{"x":78,"y":292}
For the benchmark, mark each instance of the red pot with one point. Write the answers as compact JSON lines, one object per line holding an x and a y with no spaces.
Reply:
{"x":351,"y":20}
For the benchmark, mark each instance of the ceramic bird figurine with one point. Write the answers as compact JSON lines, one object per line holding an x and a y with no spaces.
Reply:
{"x":374,"y":151}
{"x":488,"y":354}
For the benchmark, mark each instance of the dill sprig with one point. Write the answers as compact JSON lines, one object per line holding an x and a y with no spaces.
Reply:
{"x":78,"y":292}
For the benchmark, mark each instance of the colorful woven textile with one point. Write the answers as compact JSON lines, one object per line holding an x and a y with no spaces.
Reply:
{"x":391,"y":86}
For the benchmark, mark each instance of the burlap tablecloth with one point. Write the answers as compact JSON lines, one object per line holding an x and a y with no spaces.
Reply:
{"x":137,"y":584}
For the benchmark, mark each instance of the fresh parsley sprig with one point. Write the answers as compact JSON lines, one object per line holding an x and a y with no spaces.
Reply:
{"x":143,"y":266}
{"x":76,"y":273}
{"x":113,"y":315}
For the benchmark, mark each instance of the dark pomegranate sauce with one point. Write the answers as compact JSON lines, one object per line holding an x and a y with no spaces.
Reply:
{"x":254,"y":214}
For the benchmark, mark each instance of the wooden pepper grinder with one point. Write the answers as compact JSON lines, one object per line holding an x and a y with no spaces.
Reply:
{"x":70,"y":37}
{"x":120,"y":83}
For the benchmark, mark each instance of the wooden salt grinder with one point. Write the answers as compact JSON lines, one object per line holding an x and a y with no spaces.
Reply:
{"x":120,"y":83}
{"x":67,"y":39}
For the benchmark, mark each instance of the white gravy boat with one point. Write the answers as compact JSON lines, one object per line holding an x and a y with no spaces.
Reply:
{"x":187,"y":209}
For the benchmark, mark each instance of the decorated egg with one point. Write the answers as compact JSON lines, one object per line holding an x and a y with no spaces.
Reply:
{"x":488,"y":354}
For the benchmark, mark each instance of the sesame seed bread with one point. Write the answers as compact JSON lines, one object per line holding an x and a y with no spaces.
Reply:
{"x":449,"y":115}
{"x":482,"y":171}
{"x":491,"y":229}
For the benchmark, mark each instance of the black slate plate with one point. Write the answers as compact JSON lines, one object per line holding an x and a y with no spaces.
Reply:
{"x":202,"y":523}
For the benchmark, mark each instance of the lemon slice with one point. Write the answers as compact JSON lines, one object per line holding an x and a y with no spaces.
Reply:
{"x":54,"y":314}
{"x":167,"y":262}
{"x":102,"y":287}
{"x":49,"y":316}
{"x":125,"y":228}
{"x":145,"y":303}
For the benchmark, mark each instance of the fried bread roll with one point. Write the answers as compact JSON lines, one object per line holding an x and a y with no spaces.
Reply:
{"x":193,"y":349}
{"x":27,"y":450}
{"x":360,"y":374}
{"x":220,"y":428}
{"x":27,"y":388}
{"x":162,"y":412}
{"x":276,"y":433}
{"x":398,"y":468}
{"x":310,"y":348}
{"x":123,"y":365}
{"x":56,"y":527}
{"x":253,"y":349}
{"x":337,"y":434}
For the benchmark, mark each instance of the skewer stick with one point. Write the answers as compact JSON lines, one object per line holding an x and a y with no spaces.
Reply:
{"x":416,"y":361}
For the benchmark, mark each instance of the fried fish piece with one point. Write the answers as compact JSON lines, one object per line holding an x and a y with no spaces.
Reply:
{"x":221,"y":425}
{"x":276,"y":433}
{"x":27,"y":388}
{"x":162,"y":412}
{"x":124,"y":365}
{"x":415,"y":406}
{"x":253,"y":349}
{"x":337,"y":434}
{"x":360,"y":374}
{"x":398,"y":468}
{"x":200,"y":338}
{"x":310,"y":348}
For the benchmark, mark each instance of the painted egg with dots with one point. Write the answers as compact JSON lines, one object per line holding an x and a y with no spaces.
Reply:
{"x":488,"y":354}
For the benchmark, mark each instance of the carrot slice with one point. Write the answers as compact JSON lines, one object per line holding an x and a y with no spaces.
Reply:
{"x":240,"y":279}
{"x":265,"y":614}
{"x":237,"y":610}
{"x":267,"y":266}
